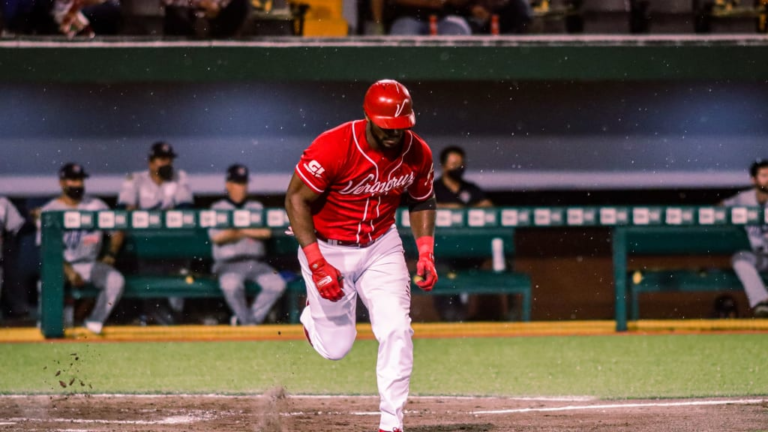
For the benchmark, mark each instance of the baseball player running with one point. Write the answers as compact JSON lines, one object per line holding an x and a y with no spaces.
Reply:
{"x":237,"y":255}
{"x":83,"y":247}
{"x":341,"y":203}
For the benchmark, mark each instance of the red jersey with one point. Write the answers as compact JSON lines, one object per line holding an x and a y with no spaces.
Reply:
{"x":361,"y":187}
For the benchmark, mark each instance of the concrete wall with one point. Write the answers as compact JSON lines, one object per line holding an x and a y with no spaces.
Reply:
{"x":520,"y":136}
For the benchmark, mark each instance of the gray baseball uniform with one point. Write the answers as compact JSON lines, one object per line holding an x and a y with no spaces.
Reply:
{"x":240,"y":261}
{"x":140,"y":191}
{"x":11,"y":222}
{"x":749,"y":264}
{"x":81,"y":251}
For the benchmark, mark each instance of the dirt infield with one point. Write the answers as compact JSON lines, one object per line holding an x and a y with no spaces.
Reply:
{"x":274,"y":412}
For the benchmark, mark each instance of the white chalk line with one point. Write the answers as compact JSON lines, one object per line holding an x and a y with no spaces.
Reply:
{"x":298,"y":396}
{"x":173,"y":420}
{"x":523,"y":398}
{"x":627,"y":405}
{"x":565,"y":408}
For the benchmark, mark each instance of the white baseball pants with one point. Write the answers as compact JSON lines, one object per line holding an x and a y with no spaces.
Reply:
{"x":377,"y":274}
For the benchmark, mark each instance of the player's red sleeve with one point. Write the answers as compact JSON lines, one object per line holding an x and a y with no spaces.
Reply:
{"x":318,"y":165}
{"x":422,"y":187}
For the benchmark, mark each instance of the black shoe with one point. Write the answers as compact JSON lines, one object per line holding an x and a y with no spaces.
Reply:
{"x":160,"y":315}
{"x":761,"y":310}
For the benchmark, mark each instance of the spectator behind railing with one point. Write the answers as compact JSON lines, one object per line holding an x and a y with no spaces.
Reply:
{"x":238,"y":254}
{"x":161,"y":187}
{"x":424,"y":17}
{"x":82,"y":248}
{"x":513,"y":16}
{"x":749,"y":264}
{"x":204,"y":18}
{"x":68,"y":17}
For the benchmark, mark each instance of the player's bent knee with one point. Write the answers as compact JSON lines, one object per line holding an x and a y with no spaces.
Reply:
{"x":338,"y":352}
{"x":276,"y":285}
{"x":335,"y":348}
{"x":230,"y":284}
{"x":115,"y":281}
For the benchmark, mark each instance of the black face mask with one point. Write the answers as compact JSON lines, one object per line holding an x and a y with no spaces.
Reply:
{"x":456,"y":174}
{"x":75,"y":192}
{"x":165,"y":172}
{"x":237,"y":204}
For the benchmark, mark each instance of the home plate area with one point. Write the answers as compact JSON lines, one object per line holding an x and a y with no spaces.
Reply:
{"x":277,"y":412}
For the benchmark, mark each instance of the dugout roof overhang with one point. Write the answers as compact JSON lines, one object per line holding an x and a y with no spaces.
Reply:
{"x":514,"y":58}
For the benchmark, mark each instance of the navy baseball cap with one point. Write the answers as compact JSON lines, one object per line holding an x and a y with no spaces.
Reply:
{"x":162,"y":149}
{"x":757,"y":165}
{"x":237,"y":174}
{"x":72,"y":171}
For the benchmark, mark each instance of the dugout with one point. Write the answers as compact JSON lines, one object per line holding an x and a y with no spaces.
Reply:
{"x":545,"y":120}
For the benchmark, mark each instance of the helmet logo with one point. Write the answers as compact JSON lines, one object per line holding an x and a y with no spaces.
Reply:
{"x":399,"y":109}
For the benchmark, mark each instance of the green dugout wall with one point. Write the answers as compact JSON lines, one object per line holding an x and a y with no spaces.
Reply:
{"x":556,"y":58}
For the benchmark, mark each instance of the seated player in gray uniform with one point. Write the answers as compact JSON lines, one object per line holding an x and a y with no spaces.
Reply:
{"x":83,"y":247}
{"x":161,"y":187}
{"x":10,"y":222}
{"x":749,"y":264}
{"x":237,"y":255}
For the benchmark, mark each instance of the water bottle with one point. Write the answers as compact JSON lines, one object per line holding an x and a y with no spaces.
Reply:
{"x":495,"y":24}
{"x":497,"y":250}
{"x":433,"y":25}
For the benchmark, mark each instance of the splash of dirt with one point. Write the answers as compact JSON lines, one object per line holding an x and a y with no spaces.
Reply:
{"x":268,"y":417}
{"x":276,"y":393}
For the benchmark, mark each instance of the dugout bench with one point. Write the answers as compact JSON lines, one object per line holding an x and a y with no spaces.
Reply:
{"x":458,"y":243}
{"x":194,"y":244}
{"x":670,"y":241}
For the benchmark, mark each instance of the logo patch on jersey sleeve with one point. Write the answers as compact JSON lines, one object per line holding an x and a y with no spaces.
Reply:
{"x":315,"y":168}
{"x":91,"y":238}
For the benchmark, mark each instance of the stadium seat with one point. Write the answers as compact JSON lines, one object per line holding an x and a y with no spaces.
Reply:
{"x":324,"y":19}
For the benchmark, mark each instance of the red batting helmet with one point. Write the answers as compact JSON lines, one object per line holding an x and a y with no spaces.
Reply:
{"x":388,"y":105}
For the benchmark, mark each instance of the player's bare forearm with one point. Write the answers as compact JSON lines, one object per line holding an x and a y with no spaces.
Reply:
{"x":298,"y":202}
{"x":257,"y":233}
{"x":116,"y":241}
{"x":423,"y":227}
{"x":235,"y":235}
{"x":117,"y":238}
{"x":423,"y":223}
{"x":227,"y":236}
{"x":485,"y":203}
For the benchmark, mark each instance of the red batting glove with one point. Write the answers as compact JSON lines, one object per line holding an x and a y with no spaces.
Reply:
{"x":327,"y":279}
{"x":425,"y":268}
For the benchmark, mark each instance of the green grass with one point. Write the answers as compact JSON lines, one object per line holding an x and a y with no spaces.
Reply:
{"x":601,"y":366}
